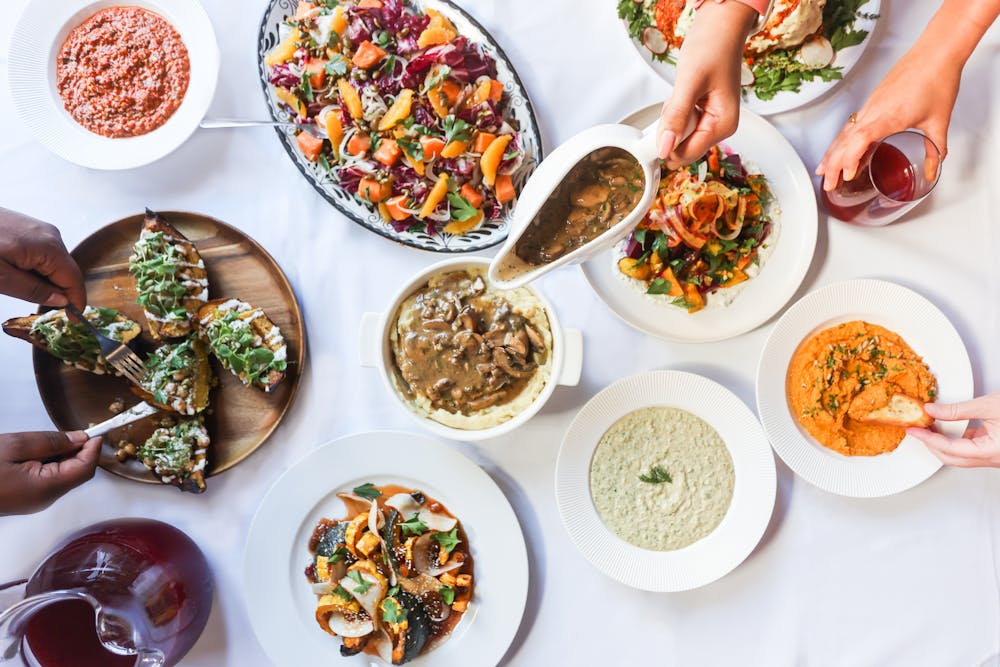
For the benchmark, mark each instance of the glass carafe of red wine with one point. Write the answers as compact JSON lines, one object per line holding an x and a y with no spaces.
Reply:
{"x":124,"y":593}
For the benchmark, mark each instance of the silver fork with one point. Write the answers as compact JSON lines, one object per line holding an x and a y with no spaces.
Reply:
{"x":116,"y":352}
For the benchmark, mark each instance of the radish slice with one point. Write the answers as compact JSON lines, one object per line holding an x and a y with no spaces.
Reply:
{"x":746,"y":74}
{"x":816,"y":52}
{"x":654,"y":40}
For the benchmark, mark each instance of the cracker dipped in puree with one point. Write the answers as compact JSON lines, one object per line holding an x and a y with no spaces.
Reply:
{"x":843,"y":373}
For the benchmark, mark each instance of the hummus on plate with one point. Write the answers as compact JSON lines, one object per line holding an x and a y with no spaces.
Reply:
{"x":843,"y":373}
{"x":662,"y":478}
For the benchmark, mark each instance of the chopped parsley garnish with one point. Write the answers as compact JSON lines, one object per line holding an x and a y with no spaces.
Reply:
{"x":338,"y":66}
{"x":440,"y":73}
{"x":414,"y":526}
{"x":461,"y":209}
{"x":392,"y":611}
{"x":456,"y":129}
{"x":341,"y":592}
{"x":362,"y":584}
{"x":656,"y":475}
{"x":448,"y":540}
{"x":659,"y":286}
{"x":368,"y":491}
{"x":447,"y":594}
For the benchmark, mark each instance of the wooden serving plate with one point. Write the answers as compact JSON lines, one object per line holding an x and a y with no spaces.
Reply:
{"x":240,"y":419}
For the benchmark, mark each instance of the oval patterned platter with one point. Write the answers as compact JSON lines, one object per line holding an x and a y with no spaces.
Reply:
{"x":518,"y":111}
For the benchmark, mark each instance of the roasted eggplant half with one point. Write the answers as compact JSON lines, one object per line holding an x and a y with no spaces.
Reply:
{"x":72,"y":341}
{"x":244,"y":340}
{"x":177,"y":454}
{"x":170,"y":277}
{"x":178,"y":377}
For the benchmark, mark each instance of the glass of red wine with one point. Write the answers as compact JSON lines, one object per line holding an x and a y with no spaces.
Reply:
{"x":123,"y":593}
{"x":894,"y":175}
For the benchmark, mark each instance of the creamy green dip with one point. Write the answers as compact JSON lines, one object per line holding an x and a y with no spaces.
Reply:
{"x":661,"y":478}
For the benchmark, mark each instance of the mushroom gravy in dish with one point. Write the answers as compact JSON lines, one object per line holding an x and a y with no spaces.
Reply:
{"x":596,"y":194}
{"x":468,"y":355}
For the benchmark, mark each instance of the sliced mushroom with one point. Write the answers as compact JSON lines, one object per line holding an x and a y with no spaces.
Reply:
{"x":486,"y":401}
{"x":502,"y":359}
{"x":536,"y":338}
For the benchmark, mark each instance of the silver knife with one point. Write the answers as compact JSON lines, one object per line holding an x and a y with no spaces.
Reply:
{"x":133,"y":414}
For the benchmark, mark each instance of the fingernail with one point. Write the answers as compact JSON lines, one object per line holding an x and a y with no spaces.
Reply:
{"x":666,"y":144}
{"x":77,"y":437}
{"x":56,"y":299}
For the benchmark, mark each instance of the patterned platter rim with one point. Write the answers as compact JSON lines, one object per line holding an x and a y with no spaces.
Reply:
{"x":519,"y":108}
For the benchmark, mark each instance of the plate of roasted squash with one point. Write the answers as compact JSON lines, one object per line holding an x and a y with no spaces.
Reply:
{"x":219,"y":330}
{"x":409,"y":118}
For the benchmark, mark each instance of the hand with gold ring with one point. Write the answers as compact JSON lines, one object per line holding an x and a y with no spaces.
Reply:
{"x":918,"y":93}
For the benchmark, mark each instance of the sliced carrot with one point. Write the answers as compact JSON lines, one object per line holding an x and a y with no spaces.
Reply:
{"x":435,"y":36}
{"x":289,"y":98}
{"x":334,"y":130}
{"x":496,"y":90}
{"x":432,"y":147}
{"x":472,"y":195}
{"x":367,"y":55}
{"x":505,"y":188}
{"x":388,"y":152}
{"x":373,"y":190}
{"x":492,"y":157}
{"x":456,"y":227}
{"x":482,"y":142}
{"x":316,"y":68}
{"x":285,"y":50}
{"x":350,"y":97}
{"x":310,"y":145}
{"x":339,"y":20}
{"x":395,"y":207}
{"x":454,"y":149}
{"x":303,"y":9}
{"x":359,"y":144}
{"x":435,"y":196}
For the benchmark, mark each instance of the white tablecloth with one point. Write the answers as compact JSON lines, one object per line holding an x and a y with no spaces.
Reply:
{"x":912,"y":579}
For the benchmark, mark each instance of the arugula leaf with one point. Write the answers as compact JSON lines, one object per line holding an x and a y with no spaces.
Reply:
{"x":338,"y":66}
{"x":362,"y":584}
{"x":392,"y":611}
{"x":456,"y":129}
{"x":461,"y":209}
{"x":447,"y":592}
{"x":414,"y":526}
{"x":448,"y":540}
{"x":656,"y":475}
{"x":367,"y":491}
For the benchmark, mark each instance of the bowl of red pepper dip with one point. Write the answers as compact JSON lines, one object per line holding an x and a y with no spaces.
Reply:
{"x":123,"y":72}
{"x":113,"y":85}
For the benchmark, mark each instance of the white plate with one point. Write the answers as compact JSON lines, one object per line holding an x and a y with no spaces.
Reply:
{"x":282,"y":606}
{"x":762,"y":146}
{"x":707,"y":559}
{"x":921,"y":325}
{"x":785,"y":100}
{"x":40,"y":33}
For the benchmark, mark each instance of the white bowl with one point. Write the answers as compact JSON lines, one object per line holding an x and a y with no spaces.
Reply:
{"x":37,"y":38}
{"x":376,"y":352}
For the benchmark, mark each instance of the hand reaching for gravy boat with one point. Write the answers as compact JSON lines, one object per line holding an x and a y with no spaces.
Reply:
{"x":981,"y":446}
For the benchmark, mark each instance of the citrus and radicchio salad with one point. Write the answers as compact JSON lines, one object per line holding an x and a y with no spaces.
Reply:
{"x":798,"y":43}
{"x":401,"y":110}
{"x":392,"y":578}
{"x":707,"y":231}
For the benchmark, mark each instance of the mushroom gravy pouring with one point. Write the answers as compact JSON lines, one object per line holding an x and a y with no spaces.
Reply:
{"x":597,"y":193}
{"x":468,"y":355}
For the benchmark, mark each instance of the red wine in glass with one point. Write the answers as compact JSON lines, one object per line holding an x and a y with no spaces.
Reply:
{"x":893,"y":177}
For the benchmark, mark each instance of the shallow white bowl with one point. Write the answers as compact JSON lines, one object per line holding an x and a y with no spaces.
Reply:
{"x":282,"y":606}
{"x":711,"y":557}
{"x":921,"y":324}
{"x":376,"y":352}
{"x":36,"y":41}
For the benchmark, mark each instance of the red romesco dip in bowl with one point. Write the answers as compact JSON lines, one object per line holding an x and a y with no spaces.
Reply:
{"x":123,"y":72}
